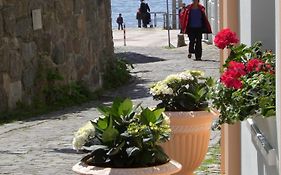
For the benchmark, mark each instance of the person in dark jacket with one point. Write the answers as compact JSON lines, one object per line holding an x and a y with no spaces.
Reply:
{"x":194,"y":23}
{"x":120,"y":21}
{"x":144,"y":10}
{"x":138,"y":17}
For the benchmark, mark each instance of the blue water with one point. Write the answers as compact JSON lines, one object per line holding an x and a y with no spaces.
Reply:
{"x":128,"y":9}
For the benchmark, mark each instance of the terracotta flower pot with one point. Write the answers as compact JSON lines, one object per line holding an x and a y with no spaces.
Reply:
{"x":190,"y":138}
{"x":165,"y":169}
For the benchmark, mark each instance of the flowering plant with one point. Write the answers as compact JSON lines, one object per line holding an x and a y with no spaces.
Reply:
{"x":185,"y":91}
{"x":247,"y":84}
{"x":124,"y":136}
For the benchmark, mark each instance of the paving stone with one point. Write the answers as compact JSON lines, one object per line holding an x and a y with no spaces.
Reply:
{"x":43,"y":145}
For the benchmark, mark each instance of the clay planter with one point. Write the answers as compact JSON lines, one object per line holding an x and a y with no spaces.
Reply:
{"x":190,"y":138}
{"x":165,"y":169}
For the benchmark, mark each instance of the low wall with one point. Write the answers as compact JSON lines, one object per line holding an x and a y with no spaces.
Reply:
{"x":72,"y":37}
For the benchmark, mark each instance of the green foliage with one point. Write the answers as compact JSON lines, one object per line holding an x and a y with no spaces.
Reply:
{"x":54,"y":96}
{"x":117,"y":73}
{"x":186,"y":91}
{"x":257,"y":94}
{"x":128,"y":136}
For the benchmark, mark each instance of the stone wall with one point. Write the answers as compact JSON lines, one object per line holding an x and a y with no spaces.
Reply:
{"x":75,"y":40}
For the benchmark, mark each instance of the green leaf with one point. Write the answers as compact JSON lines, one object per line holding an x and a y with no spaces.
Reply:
{"x":102,"y":123}
{"x":95,"y":147}
{"x":148,"y":116}
{"x":116,"y":150}
{"x":104,"y":110}
{"x":115,"y":107}
{"x":110,"y":133}
{"x":191,"y":95}
{"x":201,"y":92}
{"x":158,"y":112}
{"x":132,"y":151}
{"x":125,"y":107}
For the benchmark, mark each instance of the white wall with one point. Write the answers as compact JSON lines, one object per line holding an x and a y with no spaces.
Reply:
{"x":257,"y":23}
{"x":212,"y":13}
{"x":278,"y":72}
{"x":263,"y":22}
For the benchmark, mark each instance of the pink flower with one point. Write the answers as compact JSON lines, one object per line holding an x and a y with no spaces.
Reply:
{"x":225,"y":37}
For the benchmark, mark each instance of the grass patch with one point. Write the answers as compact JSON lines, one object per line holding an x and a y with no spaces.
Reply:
{"x":211,"y":164}
{"x":56,"y":98}
{"x":171,"y":47}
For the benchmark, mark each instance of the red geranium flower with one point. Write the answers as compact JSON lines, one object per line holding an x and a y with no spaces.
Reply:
{"x":230,"y":81}
{"x":254,"y":65}
{"x":225,"y":37}
{"x":237,"y":67}
{"x":230,"y":78}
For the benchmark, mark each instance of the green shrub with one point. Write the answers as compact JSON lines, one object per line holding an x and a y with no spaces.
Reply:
{"x":117,"y":73}
{"x":125,"y":136}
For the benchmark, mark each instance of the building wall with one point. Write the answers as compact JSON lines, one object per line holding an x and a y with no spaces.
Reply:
{"x":258,"y":25}
{"x":278,"y":73}
{"x":75,"y":40}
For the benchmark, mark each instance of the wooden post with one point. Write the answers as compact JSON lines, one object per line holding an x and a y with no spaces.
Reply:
{"x":179,"y":5}
{"x":174,"y":14}
{"x":231,"y":134}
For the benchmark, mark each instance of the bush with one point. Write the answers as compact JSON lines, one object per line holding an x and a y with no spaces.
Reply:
{"x":117,"y":73}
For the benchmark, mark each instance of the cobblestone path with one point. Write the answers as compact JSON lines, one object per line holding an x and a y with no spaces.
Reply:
{"x":42,"y":146}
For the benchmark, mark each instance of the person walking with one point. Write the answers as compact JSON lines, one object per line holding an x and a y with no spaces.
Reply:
{"x":138,"y":17}
{"x":120,"y":21}
{"x":181,"y":9}
{"x":194,"y":23}
{"x":144,"y":10}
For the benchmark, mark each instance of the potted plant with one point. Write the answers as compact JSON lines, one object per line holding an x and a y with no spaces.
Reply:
{"x":246,"y":88}
{"x":185,"y":99}
{"x":125,"y":140}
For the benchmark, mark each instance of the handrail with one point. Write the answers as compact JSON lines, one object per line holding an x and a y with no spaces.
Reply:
{"x":163,"y":15}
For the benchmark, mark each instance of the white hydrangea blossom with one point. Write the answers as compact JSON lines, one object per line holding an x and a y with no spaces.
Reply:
{"x":166,"y":119}
{"x":172,"y":78}
{"x":186,"y":76}
{"x":83,"y":135}
{"x":161,"y":88}
{"x":198,"y":72}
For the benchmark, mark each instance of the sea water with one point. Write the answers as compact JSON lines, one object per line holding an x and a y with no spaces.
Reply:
{"x":128,"y":9}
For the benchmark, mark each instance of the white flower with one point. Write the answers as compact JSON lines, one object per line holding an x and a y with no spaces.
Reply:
{"x":172,"y":78}
{"x":186,"y":76}
{"x":161,"y":88}
{"x":166,"y":119}
{"x":83,"y":135}
{"x":187,"y":86}
{"x":168,"y":91}
{"x":197,"y":73}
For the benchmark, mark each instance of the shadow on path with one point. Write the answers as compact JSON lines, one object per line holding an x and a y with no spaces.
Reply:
{"x":135,"y":90}
{"x":136,"y":58}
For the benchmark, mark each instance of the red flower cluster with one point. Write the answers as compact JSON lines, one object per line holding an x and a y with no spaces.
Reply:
{"x":230,"y":78}
{"x":225,"y":37}
{"x":258,"y":65}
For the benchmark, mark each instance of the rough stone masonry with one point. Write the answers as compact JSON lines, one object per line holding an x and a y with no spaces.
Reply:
{"x":75,"y":39}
